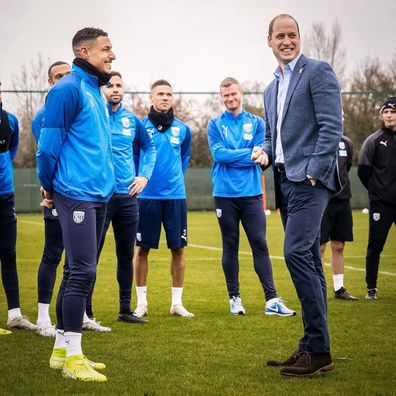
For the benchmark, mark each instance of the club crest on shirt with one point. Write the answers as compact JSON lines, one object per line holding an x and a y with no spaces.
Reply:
{"x":150,"y":132}
{"x":376,"y":216}
{"x":247,"y":128}
{"x":175,"y":131}
{"x":219,"y":212}
{"x":78,"y":216}
{"x":125,"y":122}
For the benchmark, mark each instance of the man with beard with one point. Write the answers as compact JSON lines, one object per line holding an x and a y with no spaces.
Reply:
{"x":75,"y":169}
{"x":128,"y":139}
{"x":53,"y":246}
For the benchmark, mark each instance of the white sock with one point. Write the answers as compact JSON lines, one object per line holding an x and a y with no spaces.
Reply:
{"x":86,"y":318}
{"x":177,"y":295}
{"x":141,"y":293}
{"x":14,"y":313}
{"x":338,"y":281}
{"x":73,"y":343}
{"x":43,"y":314}
{"x":60,"y":339}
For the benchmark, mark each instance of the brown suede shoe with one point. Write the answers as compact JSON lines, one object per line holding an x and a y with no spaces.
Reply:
{"x":285,"y":363}
{"x":309,"y":364}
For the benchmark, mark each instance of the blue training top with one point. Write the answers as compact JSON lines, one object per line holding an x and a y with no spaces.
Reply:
{"x":6,"y":158}
{"x":37,"y":123}
{"x":231,"y":142}
{"x":173,"y":155}
{"x":128,"y":137}
{"x":74,"y":150}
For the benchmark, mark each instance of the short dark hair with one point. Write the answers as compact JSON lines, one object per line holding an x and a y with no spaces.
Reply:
{"x":115,"y":73}
{"x":160,"y":82}
{"x":271,"y":25}
{"x":228,"y":82}
{"x":86,"y":34}
{"x":55,"y":64}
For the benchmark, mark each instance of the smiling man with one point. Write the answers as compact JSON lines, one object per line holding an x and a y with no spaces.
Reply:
{"x":238,"y":195}
{"x":75,"y":169}
{"x":303,"y":130}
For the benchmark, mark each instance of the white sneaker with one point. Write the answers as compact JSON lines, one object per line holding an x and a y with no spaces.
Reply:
{"x":276,"y":306}
{"x":236,"y":306}
{"x":46,"y":329}
{"x":21,"y":322}
{"x":179,"y":310}
{"x":92,"y":324}
{"x":141,"y":310}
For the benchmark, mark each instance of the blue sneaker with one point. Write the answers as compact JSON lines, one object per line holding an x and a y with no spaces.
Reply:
{"x":275,"y":306}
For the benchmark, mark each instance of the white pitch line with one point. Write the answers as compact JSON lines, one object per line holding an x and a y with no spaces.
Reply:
{"x":217,"y":249}
{"x":282,"y":258}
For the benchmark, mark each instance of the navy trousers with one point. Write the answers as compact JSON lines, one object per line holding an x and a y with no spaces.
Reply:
{"x":52,"y":255}
{"x":8,"y":234}
{"x":82,"y":227}
{"x":123,"y":213}
{"x":248,"y":210}
{"x":302,"y":210}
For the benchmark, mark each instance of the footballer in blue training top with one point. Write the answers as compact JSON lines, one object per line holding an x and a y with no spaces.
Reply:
{"x":128,"y":139}
{"x":75,"y":168}
{"x":9,"y":137}
{"x":163,"y":201}
{"x":237,"y":192}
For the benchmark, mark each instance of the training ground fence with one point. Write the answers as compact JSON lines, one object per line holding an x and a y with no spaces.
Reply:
{"x":198,"y":189}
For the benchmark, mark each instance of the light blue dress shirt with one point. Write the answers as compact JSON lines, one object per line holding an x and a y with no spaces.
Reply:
{"x":283,"y":78}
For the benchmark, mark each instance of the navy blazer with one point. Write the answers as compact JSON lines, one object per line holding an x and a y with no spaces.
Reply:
{"x":311,"y":123}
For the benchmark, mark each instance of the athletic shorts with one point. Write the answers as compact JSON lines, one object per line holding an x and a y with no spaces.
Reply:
{"x":337,"y":222}
{"x":171,"y":213}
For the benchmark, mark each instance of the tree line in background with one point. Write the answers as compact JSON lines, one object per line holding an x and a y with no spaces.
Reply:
{"x":363,"y":94}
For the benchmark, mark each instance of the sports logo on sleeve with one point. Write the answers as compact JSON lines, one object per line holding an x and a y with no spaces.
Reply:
{"x":219,"y":212}
{"x":376,"y":216}
{"x":78,"y":216}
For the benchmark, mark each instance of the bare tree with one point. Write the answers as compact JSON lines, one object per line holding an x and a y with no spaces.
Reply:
{"x":371,"y":84}
{"x":31,"y":77}
{"x":319,"y":44}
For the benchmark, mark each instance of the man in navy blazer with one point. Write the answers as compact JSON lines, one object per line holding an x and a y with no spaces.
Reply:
{"x":303,"y":129}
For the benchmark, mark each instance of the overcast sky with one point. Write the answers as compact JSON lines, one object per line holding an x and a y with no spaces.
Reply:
{"x":192,"y":43}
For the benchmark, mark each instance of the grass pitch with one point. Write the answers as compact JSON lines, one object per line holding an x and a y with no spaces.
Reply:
{"x":214,"y":353}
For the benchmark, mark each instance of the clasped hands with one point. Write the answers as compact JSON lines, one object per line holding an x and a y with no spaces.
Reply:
{"x":259,"y":156}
